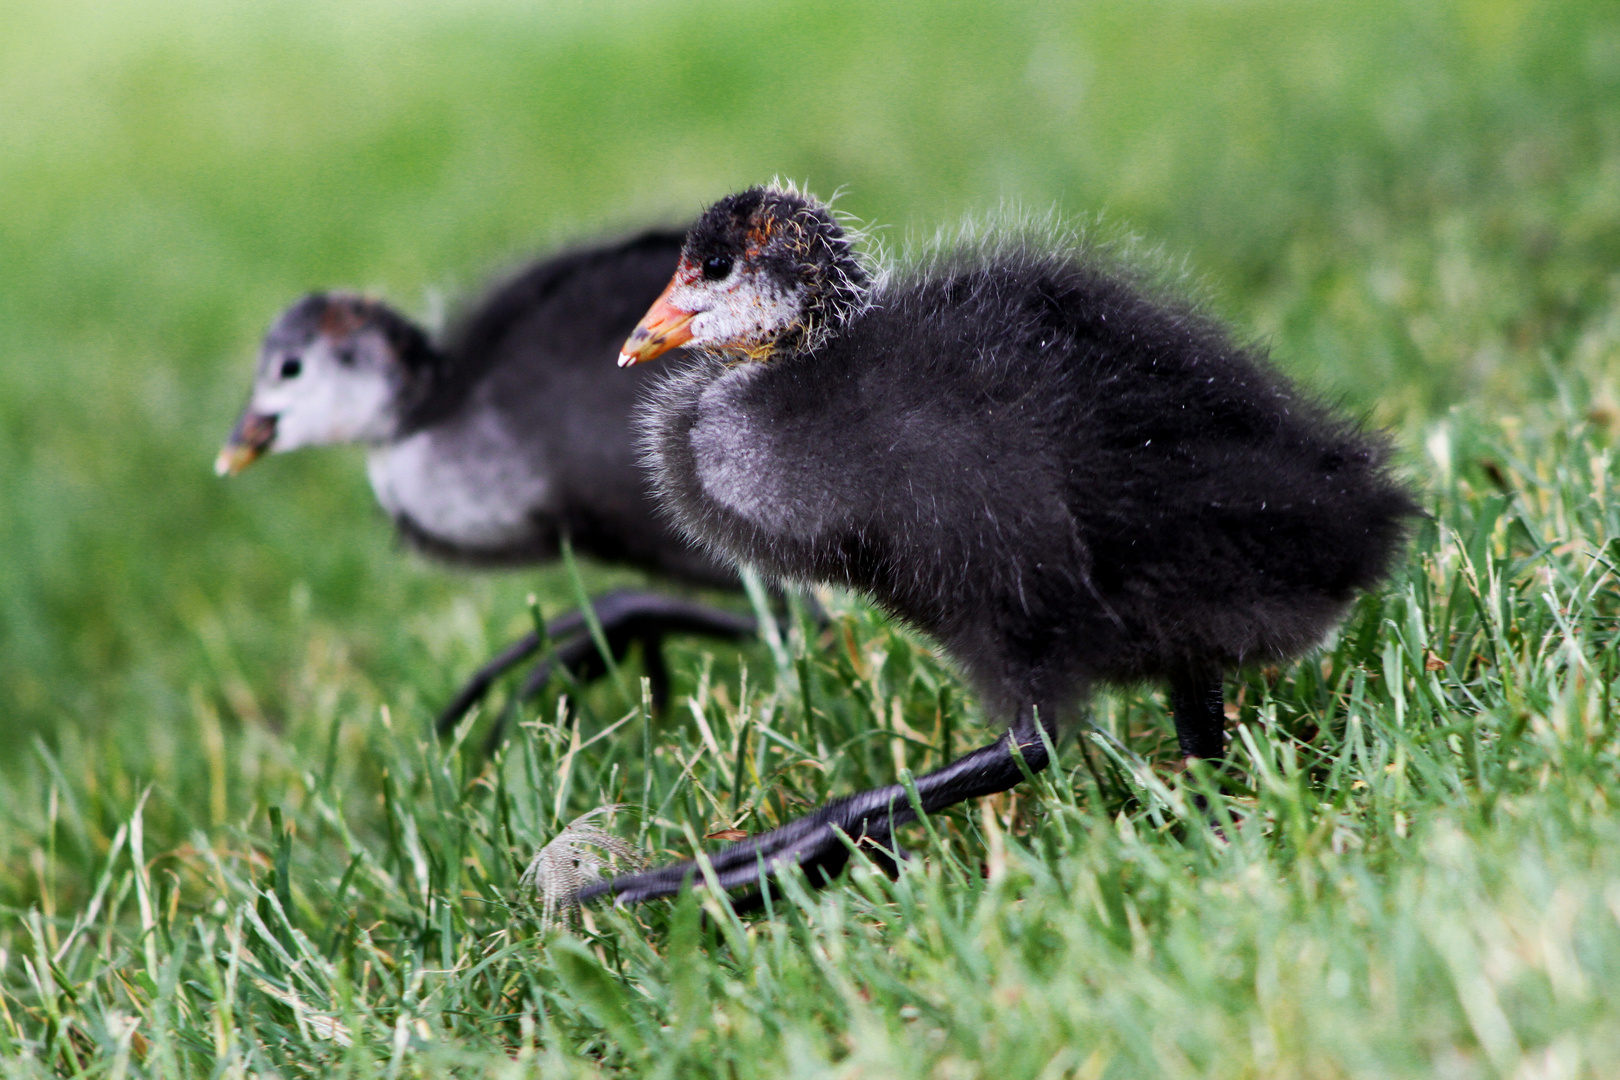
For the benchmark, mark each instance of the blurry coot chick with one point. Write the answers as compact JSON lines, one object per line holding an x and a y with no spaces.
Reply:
{"x":491,"y":447}
{"x":1062,"y":477}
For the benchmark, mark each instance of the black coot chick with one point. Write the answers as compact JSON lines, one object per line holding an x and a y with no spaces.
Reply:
{"x":490,"y":448}
{"x":1063,"y":478}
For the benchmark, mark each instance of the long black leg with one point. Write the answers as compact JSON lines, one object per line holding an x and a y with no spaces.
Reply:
{"x":870,"y":816}
{"x":631,"y":617}
{"x":1198,"y":704}
{"x":657,"y":671}
{"x":560,"y":628}
{"x":624,"y":616}
{"x":477,"y":686}
{"x":637,"y":614}
{"x":578,"y":657}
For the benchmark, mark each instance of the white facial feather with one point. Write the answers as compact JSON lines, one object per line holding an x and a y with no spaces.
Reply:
{"x":739,"y":311}
{"x":328,"y":400}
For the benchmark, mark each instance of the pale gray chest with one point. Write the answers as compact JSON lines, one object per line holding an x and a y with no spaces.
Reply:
{"x":469,"y":482}
{"x":751,"y":467}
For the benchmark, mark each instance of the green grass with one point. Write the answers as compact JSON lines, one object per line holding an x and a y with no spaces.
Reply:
{"x":227,"y":845}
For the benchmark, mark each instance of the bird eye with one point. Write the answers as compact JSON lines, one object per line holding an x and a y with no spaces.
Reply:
{"x":290,"y":367}
{"x":716,"y":267}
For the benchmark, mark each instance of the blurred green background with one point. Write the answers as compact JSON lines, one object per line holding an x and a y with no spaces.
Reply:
{"x":1415,"y":204}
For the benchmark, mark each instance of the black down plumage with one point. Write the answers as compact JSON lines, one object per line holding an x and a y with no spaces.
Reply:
{"x":1063,"y":477}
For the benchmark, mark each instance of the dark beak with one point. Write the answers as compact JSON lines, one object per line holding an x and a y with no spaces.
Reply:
{"x":252,"y":436}
{"x":663,"y":328}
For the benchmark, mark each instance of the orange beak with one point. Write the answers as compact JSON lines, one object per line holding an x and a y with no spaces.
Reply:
{"x":663,"y":328}
{"x":253,"y":435}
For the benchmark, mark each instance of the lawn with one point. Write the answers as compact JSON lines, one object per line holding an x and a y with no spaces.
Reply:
{"x":228,"y":844}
